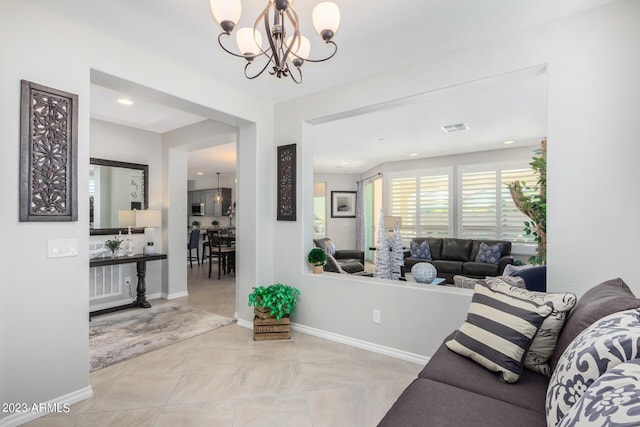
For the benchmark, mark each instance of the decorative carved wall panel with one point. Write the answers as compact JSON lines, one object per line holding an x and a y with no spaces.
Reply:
{"x":287,"y":182}
{"x":48,"y":154}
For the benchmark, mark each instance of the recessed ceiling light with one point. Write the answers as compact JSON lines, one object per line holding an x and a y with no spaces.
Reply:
{"x":457,"y":127}
{"x":199,"y":173}
{"x":344,"y":163}
{"x":509,"y":142}
{"x":413,"y":154}
{"x":125,"y":101}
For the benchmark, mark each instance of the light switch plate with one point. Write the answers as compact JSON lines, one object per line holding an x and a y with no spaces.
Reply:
{"x":58,"y":248}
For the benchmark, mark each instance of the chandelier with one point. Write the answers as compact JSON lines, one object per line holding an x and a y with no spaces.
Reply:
{"x":279,"y":20}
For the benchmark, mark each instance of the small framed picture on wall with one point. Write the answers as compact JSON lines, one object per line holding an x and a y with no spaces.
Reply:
{"x":343,"y":204}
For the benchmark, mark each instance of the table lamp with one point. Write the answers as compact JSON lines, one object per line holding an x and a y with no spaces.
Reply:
{"x":126,"y":219}
{"x":149,"y":219}
{"x":390,"y":222}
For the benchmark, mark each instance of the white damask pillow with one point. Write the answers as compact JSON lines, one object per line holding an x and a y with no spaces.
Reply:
{"x":612,"y":400}
{"x":610,"y":341}
{"x":544,"y":343}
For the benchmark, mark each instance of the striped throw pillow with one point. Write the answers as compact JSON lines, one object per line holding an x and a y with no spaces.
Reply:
{"x":498,"y":331}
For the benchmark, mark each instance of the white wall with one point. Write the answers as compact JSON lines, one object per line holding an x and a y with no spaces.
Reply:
{"x":592,"y":74}
{"x":592,"y":68}
{"x":341,"y":231}
{"x":44,"y":311}
{"x":126,"y":144}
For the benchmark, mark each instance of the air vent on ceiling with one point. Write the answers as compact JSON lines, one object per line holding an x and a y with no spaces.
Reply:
{"x":454,"y":128}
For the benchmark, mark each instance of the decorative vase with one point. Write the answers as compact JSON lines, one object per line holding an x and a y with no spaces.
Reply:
{"x":318,"y":269}
{"x":423,"y":272}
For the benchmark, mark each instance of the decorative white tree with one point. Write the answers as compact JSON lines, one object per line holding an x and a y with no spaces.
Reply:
{"x":383,"y":268}
{"x":397,"y":255}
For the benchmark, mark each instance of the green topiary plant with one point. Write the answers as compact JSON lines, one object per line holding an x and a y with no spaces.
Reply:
{"x":280,"y":299}
{"x":317,"y":256}
{"x":532,"y":201}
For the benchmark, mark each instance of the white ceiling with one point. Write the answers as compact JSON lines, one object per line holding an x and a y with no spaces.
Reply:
{"x":494,"y":113}
{"x":374,"y":37}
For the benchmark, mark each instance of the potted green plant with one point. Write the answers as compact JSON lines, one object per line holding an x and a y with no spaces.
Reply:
{"x":532,"y":201}
{"x":273,"y":307}
{"x":113,"y":244}
{"x":317,"y":258}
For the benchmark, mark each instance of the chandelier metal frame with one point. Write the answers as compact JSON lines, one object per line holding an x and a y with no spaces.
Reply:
{"x":281,"y":52}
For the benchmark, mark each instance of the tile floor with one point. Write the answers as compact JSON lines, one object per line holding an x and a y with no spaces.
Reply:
{"x":224,"y":378}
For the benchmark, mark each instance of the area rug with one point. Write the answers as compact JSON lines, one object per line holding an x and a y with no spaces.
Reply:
{"x":121,"y":336}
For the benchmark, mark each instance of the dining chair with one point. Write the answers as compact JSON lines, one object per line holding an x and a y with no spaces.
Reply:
{"x":194,"y":240}
{"x":215,"y":250}
{"x":205,"y":246}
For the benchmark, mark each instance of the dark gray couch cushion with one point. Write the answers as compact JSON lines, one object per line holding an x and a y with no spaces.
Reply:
{"x":325,"y":244}
{"x":450,"y":368}
{"x":332,"y":265}
{"x":445,"y":266}
{"x":607,"y":298}
{"x":435,"y":404}
{"x":456,"y":249}
{"x":479,"y":269}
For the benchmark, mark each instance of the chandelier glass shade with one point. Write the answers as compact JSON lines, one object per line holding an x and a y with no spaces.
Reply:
{"x":286,"y":48}
{"x":218,"y":195}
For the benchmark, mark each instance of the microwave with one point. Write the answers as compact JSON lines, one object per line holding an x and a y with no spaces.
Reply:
{"x":197,"y":209}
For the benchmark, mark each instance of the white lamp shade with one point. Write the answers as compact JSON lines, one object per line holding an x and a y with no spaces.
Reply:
{"x":390,"y":222}
{"x":226,"y":10}
{"x":301,"y":49}
{"x":148,"y":218}
{"x":249,"y":41}
{"x":126,"y":218}
{"x":326,"y":16}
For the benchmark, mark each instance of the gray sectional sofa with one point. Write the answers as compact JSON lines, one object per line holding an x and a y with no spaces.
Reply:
{"x":453,"y":257}
{"x":453,"y":390}
{"x":341,"y":260}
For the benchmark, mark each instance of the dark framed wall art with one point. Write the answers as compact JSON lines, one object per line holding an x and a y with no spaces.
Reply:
{"x":287,"y":183}
{"x":48,"y":154}
{"x":343,"y":204}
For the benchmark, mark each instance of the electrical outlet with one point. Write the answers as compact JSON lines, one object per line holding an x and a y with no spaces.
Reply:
{"x":127,"y":281}
{"x":376,"y":316}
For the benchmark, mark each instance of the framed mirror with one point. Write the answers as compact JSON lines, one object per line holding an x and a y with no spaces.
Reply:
{"x":115,"y":190}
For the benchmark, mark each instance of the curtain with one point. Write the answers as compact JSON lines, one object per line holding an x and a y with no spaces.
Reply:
{"x":360,"y":216}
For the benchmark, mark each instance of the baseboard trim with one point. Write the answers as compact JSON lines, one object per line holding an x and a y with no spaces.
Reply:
{"x":245,"y":324}
{"x":353,"y":342}
{"x":59,"y":404}
{"x":175,"y":295}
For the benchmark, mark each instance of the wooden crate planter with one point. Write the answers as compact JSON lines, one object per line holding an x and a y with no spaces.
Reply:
{"x":266,"y":327}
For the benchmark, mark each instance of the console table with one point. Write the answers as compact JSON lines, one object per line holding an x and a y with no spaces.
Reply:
{"x":141,"y":268}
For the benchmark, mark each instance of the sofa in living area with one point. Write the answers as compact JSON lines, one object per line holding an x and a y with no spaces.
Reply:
{"x":467,"y":257}
{"x":544,"y":359}
{"x":349,"y":261}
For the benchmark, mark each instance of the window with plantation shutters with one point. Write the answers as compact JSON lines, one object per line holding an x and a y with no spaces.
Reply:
{"x":486,"y":208}
{"x":404,"y":203}
{"x":433,"y":218}
{"x":423,"y":203}
{"x":464,"y":201}
{"x":479,"y":205}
